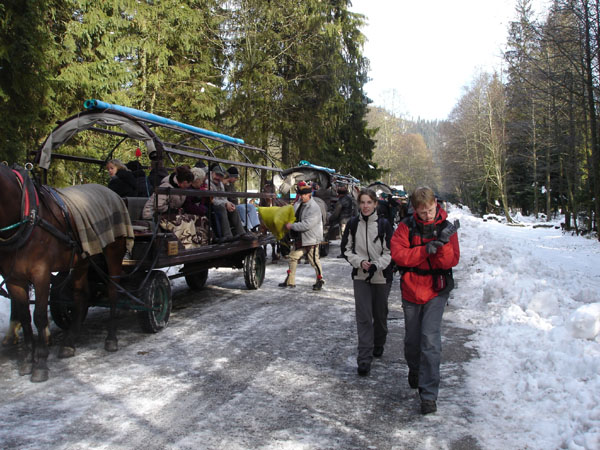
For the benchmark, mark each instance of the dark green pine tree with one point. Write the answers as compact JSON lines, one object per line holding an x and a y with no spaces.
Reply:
{"x":339,"y":131}
{"x":176,"y":54}
{"x":28,"y":67}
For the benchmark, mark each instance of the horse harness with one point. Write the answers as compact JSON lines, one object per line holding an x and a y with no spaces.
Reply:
{"x":30,"y":205}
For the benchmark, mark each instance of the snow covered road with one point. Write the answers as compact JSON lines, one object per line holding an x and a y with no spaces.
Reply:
{"x":237,"y":369}
{"x":275,"y":368}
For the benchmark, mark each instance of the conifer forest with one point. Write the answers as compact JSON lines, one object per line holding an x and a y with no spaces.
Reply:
{"x":288,"y":76}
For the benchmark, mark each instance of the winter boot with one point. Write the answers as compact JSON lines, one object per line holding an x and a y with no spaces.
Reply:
{"x":428,"y":406}
{"x":318,"y":285}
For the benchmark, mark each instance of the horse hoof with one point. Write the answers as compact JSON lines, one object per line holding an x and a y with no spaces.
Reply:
{"x":39,"y":375}
{"x":66,"y":352}
{"x":26,"y":368}
{"x":111,"y":345}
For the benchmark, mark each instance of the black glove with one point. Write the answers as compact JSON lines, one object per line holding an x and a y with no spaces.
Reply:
{"x":446,"y":233}
{"x":371,"y":272}
{"x":432,"y":247}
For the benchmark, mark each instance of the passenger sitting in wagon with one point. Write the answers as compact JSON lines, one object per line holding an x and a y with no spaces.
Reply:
{"x":197,"y":205}
{"x":227,"y":215}
{"x":122,"y":181}
{"x":247,"y":211}
{"x":181,"y":178}
{"x":142,"y":184}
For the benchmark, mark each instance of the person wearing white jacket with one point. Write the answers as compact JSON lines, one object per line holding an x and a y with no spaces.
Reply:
{"x":366,"y":246}
{"x":307,"y":234}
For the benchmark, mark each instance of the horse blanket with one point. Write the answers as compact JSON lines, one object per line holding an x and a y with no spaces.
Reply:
{"x":100,"y":216}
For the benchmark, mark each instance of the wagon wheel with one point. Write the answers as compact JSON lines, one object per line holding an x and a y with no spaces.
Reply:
{"x":254,"y":268}
{"x":156,"y":295}
{"x":62,"y":308}
{"x":197,"y":280}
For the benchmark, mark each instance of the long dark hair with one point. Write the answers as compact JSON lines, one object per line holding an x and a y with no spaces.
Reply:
{"x":184,"y":173}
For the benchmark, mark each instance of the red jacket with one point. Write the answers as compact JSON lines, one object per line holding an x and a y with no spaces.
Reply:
{"x":419,"y":288}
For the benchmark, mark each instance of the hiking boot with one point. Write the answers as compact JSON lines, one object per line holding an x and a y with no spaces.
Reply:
{"x":363,"y":369}
{"x":318,"y":285}
{"x":378,"y":351}
{"x":413,"y":379}
{"x":428,"y":406}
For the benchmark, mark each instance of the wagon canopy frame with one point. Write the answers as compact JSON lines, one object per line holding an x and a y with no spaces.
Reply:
{"x":189,"y":143}
{"x":305,"y":171}
{"x":379,"y":186}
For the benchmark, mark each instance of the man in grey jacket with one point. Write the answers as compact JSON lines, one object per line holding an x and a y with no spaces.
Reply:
{"x":307,"y":234}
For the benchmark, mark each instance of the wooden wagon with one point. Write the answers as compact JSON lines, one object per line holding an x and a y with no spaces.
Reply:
{"x":145,"y":286}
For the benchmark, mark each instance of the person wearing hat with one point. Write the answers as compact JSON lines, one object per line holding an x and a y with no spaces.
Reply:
{"x":141,"y":180}
{"x":231,"y":176}
{"x":227,"y":215}
{"x":307,"y":234}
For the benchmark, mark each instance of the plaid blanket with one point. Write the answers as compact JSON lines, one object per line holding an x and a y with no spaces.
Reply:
{"x":100,"y":216}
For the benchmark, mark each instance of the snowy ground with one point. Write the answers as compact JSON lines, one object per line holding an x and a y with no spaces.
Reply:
{"x":275,"y":369}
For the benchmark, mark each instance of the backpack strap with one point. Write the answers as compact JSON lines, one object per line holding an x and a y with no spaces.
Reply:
{"x":412,"y":230}
{"x":351,"y":227}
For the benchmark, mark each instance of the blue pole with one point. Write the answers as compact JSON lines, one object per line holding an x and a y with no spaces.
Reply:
{"x":314,"y":166}
{"x":99,"y":104}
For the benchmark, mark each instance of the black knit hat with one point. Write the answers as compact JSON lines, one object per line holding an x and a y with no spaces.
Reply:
{"x":303,"y":188}
{"x":233,"y":172}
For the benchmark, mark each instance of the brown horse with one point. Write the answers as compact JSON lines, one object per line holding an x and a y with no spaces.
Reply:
{"x":34,"y":241}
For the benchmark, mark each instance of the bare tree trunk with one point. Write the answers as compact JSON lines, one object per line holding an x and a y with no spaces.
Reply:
{"x":548,"y":181}
{"x":536,"y":188}
{"x":285,"y":150}
{"x":589,"y":82}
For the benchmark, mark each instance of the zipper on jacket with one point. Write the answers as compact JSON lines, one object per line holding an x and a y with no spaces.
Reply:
{"x":367,"y":238}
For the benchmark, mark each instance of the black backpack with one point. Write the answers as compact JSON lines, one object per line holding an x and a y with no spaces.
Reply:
{"x":384,"y":231}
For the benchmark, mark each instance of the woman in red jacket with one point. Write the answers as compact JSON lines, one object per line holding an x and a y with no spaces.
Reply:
{"x":425,"y":246}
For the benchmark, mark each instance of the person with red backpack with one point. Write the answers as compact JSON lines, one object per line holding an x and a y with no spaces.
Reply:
{"x":425,"y":247}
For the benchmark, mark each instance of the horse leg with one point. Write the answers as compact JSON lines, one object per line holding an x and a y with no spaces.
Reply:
{"x":40,"y":319}
{"x":114,"y":258}
{"x":12,"y":334}
{"x":80,"y":295}
{"x":20,"y":307}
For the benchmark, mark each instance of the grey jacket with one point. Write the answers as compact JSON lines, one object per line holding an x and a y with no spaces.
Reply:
{"x":311,"y":223}
{"x":217,"y":186}
{"x":368,"y":247}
